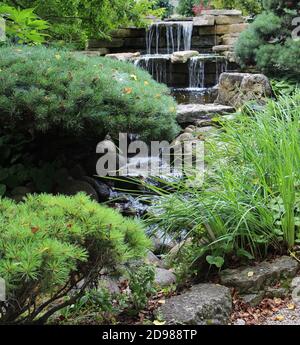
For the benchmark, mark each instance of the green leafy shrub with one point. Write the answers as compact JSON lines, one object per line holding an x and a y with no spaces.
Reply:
{"x":268,"y":42}
{"x":23,"y":26}
{"x":49,"y":244}
{"x":247,"y":6}
{"x":249,"y":203}
{"x":43,"y":89}
{"x":77,"y":20}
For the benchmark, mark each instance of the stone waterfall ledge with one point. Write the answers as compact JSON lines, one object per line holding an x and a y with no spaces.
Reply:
{"x":204,"y":304}
{"x":188,"y":114}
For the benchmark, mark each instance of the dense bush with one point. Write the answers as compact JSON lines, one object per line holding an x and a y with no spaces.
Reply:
{"x":49,"y":244}
{"x":250,"y":201}
{"x":44,"y":89}
{"x":268,"y":42}
{"x":78,"y":20}
{"x":192,"y":7}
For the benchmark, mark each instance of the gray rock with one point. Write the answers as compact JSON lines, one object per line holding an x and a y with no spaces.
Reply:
{"x":102,"y":189}
{"x":254,"y":279}
{"x":207,"y":20}
{"x":124,"y":56}
{"x":204,"y":304}
{"x":295,"y":282}
{"x":110,"y":284}
{"x":253,"y":299}
{"x":74,"y":187}
{"x":164,"y":278}
{"x":240,"y":322}
{"x":222,"y":12}
{"x":296,"y":295}
{"x":272,"y":292}
{"x":183,"y":56}
{"x":192,"y":113}
{"x":152,"y":259}
{"x":235,"y":89}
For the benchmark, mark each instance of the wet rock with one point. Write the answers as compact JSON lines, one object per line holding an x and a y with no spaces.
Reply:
{"x":254,"y":279}
{"x":101,"y":188}
{"x":183,"y":56}
{"x":164,"y":278}
{"x":192,"y":113}
{"x":74,"y":187}
{"x":204,"y":304}
{"x":253,"y":299}
{"x":235,"y":89}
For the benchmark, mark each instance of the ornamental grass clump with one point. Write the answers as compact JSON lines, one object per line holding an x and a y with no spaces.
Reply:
{"x":52,"y":248}
{"x":249,"y":205}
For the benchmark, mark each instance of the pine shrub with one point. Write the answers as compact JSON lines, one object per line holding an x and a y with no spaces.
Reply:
{"x":44,"y":89}
{"x":49,"y":244}
{"x":268,"y":42}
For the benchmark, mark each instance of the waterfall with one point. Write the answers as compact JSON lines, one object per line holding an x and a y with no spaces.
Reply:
{"x":197,"y":72}
{"x":168,"y":37}
{"x":156,"y":65}
{"x":221,"y":67}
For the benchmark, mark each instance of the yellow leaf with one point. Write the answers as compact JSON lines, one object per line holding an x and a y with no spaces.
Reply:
{"x":127,"y":90}
{"x":159,"y":323}
{"x":57,"y":57}
{"x":250,"y":274}
{"x":277,"y":301}
{"x":146,"y":83}
{"x":291,"y":306}
{"x":279,"y":318}
{"x":134,"y":77}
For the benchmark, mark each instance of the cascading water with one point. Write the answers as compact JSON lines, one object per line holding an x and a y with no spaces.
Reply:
{"x":197,"y":73}
{"x":168,"y":37}
{"x":221,"y":67}
{"x":156,"y":65}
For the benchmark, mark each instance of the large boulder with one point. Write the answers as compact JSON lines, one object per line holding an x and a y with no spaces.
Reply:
{"x":192,"y":113}
{"x":204,"y":304}
{"x":257,"y":278}
{"x":164,"y":277}
{"x":235,"y":89}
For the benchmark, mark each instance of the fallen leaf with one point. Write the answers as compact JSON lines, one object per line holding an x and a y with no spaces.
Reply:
{"x":146,"y":83}
{"x":162,"y":301}
{"x":250,"y":274}
{"x":291,"y":306}
{"x":133,"y":77}
{"x":279,"y":318}
{"x":159,"y":323}
{"x":278,"y":301}
{"x":127,"y":90}
{"x":34,"y":229}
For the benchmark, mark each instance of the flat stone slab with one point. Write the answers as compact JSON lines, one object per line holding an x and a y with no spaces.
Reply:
{"x":183,"y":56}
{"x":192,"y":113}
{"x":204,"y":304}
{"x":123,"y":56}
{"x":204,"y":21}
{"x":222,"y":12}
{"x":257,"y":278}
